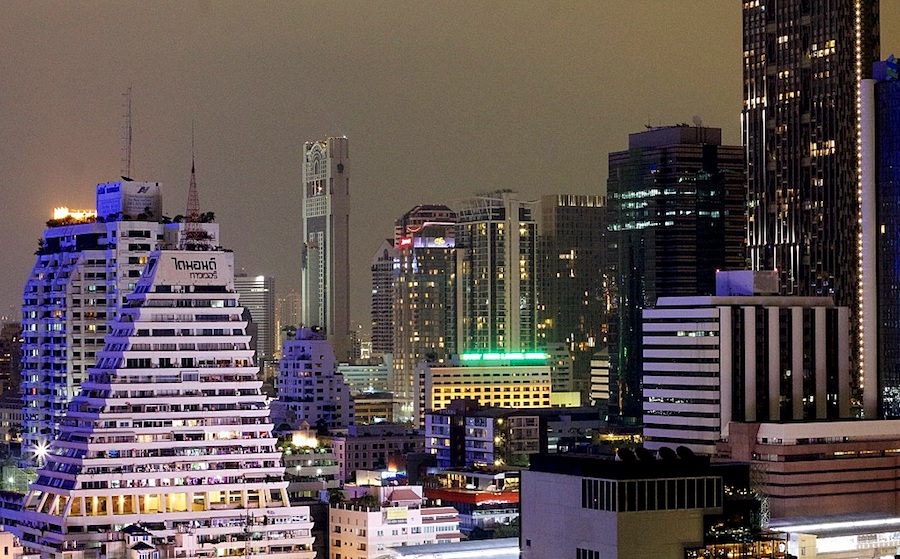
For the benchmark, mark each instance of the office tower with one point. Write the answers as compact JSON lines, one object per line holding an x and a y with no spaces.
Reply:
{"x":713,"y":361}
{"x":287,"y":316}
{"x":572,"y":295}
{"x":325,"y":254}
{"x":384,"y":271}
{"x":881,"y":238}
{"x":309,"y":386}
{"x":676,"y":215}
{"x":170,"y":430}
{"x":86,"y":263}
{"x":424,"y":310}
{"x":10,"y":358}
{"x":496,"y":268}
{"x":803,"y":64}
{"x":258,"y":297}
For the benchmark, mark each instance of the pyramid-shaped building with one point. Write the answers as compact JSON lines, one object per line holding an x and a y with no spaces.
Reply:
{"x":170,"y":433}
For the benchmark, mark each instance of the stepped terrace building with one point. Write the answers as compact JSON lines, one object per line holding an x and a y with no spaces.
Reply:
{"x":170,"y":432}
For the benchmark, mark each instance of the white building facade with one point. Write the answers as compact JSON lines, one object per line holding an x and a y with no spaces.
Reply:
{"x":309,"y":386}
{"x":709,"y":361}
{"x":401,"y":519}
{"x":87,"y":263}
{"x":170,"y":430}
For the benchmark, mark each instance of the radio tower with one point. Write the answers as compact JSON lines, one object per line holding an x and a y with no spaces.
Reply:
{"x":126,"y":136}
{"x":193,"y":235}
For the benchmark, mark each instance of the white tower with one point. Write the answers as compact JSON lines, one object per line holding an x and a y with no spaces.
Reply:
{"x":325,"y":258}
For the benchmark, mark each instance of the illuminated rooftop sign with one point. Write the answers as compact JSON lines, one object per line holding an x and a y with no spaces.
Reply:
{"x":497,"y":356}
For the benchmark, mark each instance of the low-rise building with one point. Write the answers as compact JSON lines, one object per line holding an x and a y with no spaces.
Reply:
{"x":487,"y":499}
{"x":392,"y":516}
{"x":309,"y":387}
{"x":468,"y":434}
{"x":310,"y":468}
{"x":510,"y":380}
{"x":674,"y":507}
{"x":830,"y":467}
{"x":370,"y":447}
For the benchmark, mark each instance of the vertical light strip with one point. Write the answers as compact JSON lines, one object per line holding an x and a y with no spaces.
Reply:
{"x":857,"y":8}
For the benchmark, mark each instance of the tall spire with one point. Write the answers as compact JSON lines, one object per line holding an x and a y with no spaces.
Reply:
{"x":193,"y":235}
{"x":193,"y":203}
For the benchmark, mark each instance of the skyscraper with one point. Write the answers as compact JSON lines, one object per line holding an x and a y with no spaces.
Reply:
{"x":881,"y":237}
{"x":86,"y":264}
{"x":325,"y":253}
{"x":573,"y":293}
{"x":384,"y":274}
{"x":424,"y":309}
{"x":803,"y":63}
{"x":676,"y":215}
{"x":258,"y":296}
{"x":170,"y":430}
{"x":496,"y":248}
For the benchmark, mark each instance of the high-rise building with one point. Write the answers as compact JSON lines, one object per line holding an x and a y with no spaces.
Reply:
{"x":87,"y":263}
{"x":424,"y":309}
{"x":572,"y":295}
{"x":170,"y":430}
{"x":325,"y":254}
{"x":496,"y":249}
{"x":10,"y":358}
{"x":287,"y":316}
{"x":713,"y":361}
{"x":309,"y":387}
{"x":258,"y":297}
{"x":803,"y":64}
{"x":880,"y":174}
{"x":384,"y":272}
{"x":676,"y":215}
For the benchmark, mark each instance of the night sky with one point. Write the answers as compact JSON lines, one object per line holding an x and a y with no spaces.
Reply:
{"x":440,"y":100}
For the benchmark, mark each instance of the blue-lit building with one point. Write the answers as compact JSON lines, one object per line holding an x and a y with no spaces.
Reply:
{"x":885,"y":132}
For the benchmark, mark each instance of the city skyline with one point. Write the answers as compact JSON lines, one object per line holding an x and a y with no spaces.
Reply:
{"x":440,"y":102}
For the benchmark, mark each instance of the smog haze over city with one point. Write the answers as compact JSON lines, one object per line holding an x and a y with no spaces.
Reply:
{"x":439,"y":100}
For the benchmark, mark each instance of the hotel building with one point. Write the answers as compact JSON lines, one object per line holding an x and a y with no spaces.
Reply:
{"x":87,"y":263}
{"x":508,"y":380}
{"x":170,"y":430}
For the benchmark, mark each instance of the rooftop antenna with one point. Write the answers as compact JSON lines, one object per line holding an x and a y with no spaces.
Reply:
{"x":126,"y":136}
{"x":194,"y":236}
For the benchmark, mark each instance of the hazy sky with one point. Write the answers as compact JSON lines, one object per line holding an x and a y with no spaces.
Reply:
{"x":439,"y":100}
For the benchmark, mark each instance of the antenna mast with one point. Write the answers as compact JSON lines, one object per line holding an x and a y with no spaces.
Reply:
{"x":194,"y":236}
{"x":126,"y":135}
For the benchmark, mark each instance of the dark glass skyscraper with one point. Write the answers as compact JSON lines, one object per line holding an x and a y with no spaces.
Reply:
{"x":675,"y":204}
{"x":803,"y":63}
{"x":572,"y":286}
{"x":886,"y":136}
